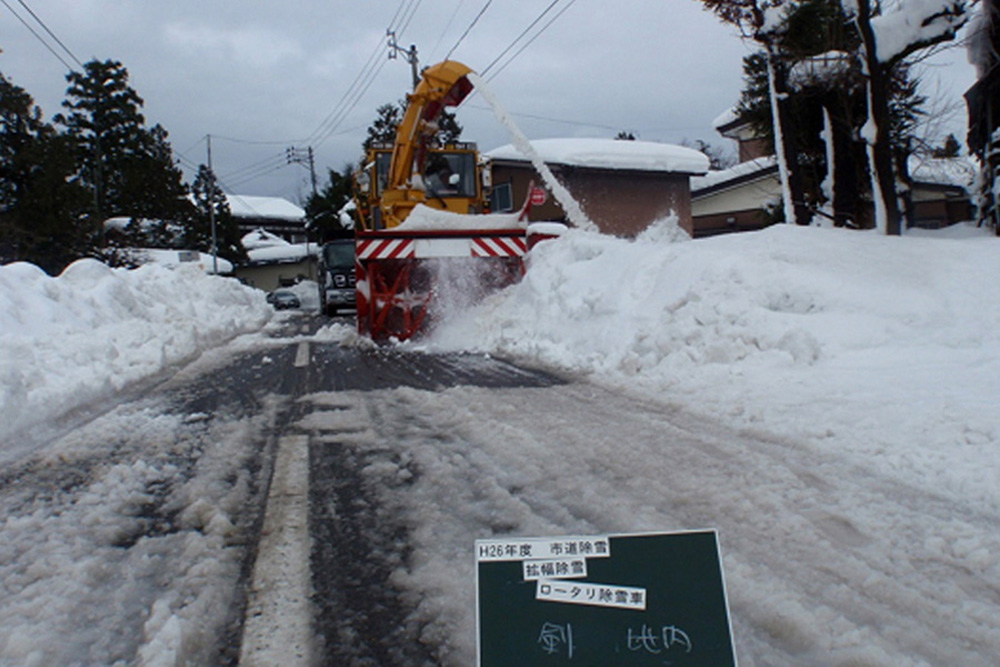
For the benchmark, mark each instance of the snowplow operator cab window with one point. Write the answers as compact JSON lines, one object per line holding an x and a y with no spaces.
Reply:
{"x":451,"y":175}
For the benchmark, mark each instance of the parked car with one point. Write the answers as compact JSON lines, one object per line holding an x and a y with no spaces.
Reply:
{"x":283,"y":299}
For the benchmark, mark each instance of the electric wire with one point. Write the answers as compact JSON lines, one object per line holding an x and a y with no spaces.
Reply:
{"x":331,"y":123}
{"x":37,"y":36}
{"x":406,"y":24}
{"x":51,"y":34}
{"x":363,"y":82}
{"x":486,"y":69}
{"x":447,"y":27}
{"x":562,"y":121}
{"x":250,"y":172}
{"x":469,"y":29}
{"x":531,"y":41}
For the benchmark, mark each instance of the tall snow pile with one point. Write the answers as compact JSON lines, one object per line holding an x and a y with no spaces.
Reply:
{"x":887,"y":347}
{"x":91,"y":331}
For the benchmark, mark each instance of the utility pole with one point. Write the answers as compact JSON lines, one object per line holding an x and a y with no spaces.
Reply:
{"x":411,"y":55}
{"x":211,"y":207}
{"x":305,"y":157}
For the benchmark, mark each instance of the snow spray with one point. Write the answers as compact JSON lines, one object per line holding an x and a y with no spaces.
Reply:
{"x":521,"y":143}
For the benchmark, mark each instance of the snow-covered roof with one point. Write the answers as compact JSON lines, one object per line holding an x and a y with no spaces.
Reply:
{"x":611,"y":154}
{"x":956,"y":171}
{"x":741,"y":171}
{"x":176,"y":258}
{"x":263,"y":247}
{"x":821,"y":70}
{"x":250,"y":206}
{"x":277,"y":254}
{"x":725,"y":118}
{"x":261,"y":238}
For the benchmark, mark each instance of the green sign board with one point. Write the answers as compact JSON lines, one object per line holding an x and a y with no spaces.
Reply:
{"x":645,"y":599}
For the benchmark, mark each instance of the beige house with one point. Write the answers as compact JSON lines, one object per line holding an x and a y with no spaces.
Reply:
{"x":622,"y":186}
{"x":273,"y":262}
{"x":740,"y":198}
{"x":735,"y":199}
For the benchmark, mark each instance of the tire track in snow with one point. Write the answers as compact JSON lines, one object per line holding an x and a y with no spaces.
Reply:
{"x":826,"y":560}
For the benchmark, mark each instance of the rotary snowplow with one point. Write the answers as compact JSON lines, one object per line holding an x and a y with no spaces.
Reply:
{"x":426,"y":241}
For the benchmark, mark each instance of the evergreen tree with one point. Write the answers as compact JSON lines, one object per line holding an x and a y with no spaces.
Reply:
{"x":949,"y":149}
{"x":128,"y":167}
{"x":818,"y":50}
{"x":209,"y":200}
{"x":42,"y":208}
{"x":754,"y":18}
{"x":449,"y":131}
{"x":323,"y":209}
{"x":937,"y":23}
{"x":717,"y":157}
{"x":383,"y":128}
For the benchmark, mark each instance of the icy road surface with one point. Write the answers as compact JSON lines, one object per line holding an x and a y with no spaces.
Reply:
{"x":827,"y":563}
{"x":131,"y":538}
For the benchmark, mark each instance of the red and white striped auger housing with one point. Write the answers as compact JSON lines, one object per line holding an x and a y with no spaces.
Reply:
{"x":397,"y":273}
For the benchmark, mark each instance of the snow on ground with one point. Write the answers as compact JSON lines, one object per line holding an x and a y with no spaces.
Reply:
{"x":78,"y":338}
{"x":882,"y":351}
{"x":887,"y":348}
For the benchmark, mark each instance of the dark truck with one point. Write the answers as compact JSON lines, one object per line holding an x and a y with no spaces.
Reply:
{"x":336,"y":275}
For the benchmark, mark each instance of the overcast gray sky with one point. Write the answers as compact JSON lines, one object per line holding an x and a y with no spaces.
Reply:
{"x":261,"y":76}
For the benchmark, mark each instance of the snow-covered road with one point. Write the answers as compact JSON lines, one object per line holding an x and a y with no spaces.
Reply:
{"x":826,"y":560}
{"x":127,"y":538}
{"x":125,"y":541}
{"x":825,"y":399}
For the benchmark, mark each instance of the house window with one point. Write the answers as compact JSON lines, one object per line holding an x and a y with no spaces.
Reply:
{"x":501,"y":199}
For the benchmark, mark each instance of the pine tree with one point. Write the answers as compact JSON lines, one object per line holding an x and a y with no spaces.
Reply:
{"x":323,"y":209}
{"x":818,"y":51}
{"x":128,"y":167}
{"x":937,"y":23}
{"x":383,"y":128}
{"x":754,"y":18}
{"x":42,"y":208}
{"x":949,"y":149}
{"x":209,"y":200}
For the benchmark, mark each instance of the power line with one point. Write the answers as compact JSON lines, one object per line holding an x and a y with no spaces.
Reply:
{"x":549,"y":119}
{"x":469,"y":29}
{"x":531,"y":41}
{"x":413,"y":11}
{"x":518,"y":38}
{"x":51,"y":34}
{"x":37,"y":36}
{"x":447,"y":26}
{"x":254,"y":176}
{"x":265,"y":165}
{"x":366,"y":77}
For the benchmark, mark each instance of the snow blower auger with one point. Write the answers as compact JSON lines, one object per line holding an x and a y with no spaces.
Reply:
{"x":427,"y":243}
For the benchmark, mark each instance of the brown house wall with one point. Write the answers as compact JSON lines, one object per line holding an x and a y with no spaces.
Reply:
{"x":942,"y":212}
{"x":622,"y":203}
